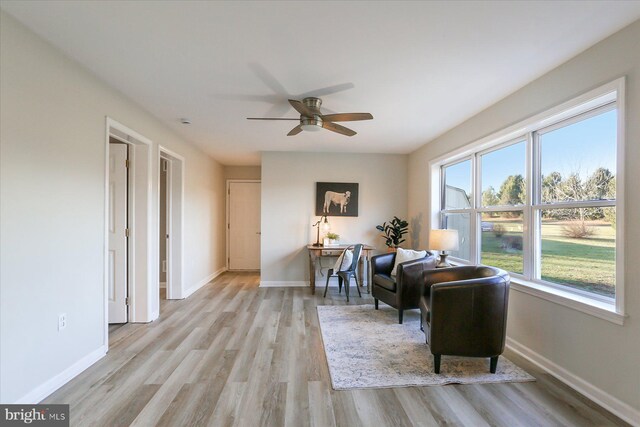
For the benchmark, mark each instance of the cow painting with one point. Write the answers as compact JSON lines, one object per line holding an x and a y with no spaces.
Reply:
{"x":336,"y":199}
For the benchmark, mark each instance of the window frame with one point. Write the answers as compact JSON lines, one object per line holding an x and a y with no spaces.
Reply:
{"x":597,"y":101}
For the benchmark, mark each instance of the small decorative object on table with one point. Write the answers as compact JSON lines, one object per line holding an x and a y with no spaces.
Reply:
{"x":393,"y":232}
{"x":331,"y":239}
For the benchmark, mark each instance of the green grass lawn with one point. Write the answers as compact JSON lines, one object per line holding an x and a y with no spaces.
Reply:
{"x":587,"y":263}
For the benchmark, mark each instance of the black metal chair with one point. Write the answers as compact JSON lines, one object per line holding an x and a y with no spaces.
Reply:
{"x":345,"y":275}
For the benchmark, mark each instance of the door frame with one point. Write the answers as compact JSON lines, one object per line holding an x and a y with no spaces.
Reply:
{"x":175,"y":229}
{"x":228,"y":219}
{"x":141,"y":243}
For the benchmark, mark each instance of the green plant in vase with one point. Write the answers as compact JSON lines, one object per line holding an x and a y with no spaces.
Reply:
{"x":393,"y":231}
{"x":331,"y":238}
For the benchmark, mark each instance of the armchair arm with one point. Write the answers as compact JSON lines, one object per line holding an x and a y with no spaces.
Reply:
{"x":441,"y":275}
{"x":382,"y":264}
{"x":410,"y":278}
{"x":456,"y":274}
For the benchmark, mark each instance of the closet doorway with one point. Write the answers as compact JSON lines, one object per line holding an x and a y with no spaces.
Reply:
{"x":243,"y":225}
{"x":170,"y":224}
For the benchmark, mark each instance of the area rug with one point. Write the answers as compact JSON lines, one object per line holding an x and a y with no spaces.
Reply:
{"x":367,"y":348}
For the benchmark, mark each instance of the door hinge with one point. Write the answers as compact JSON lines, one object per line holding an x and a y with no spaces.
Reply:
{"x":229,"y":226}
{"x":126,"y":301}
{"x":126,"y":163}
{"x":126,"y":232}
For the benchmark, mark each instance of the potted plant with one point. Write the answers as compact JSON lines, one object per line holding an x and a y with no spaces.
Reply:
{"x":331,"y":239}
{"x":393,"y":231}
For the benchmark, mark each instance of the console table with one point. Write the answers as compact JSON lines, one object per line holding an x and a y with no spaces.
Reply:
{"x":316,"y":252}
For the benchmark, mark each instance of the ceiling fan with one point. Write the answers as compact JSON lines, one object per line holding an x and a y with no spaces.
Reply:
{"x":311,"y":119}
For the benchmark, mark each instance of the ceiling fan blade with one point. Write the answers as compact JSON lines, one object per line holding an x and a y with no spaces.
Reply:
{"x":337,"y":128}
{"x":301,"y":108}
{"x":269,"y":118}
{"x":268,"y":79}
{"x":296,"y":130}
{"x":328,"y":90}
{"x":346,"y":117}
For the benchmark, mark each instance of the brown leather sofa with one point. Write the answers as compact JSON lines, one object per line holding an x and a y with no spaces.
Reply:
{"x":464,"y":312}
{"x":403,"y":290}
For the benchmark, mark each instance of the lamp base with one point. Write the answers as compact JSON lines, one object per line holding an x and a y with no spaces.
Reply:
{"x":443,"y":261}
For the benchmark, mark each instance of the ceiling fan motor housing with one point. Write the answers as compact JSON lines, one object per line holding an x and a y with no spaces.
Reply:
{"x":312,"y":123}
{"x":313,"y":104}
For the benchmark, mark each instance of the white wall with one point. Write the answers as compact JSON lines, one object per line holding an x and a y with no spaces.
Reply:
{"x":605,"y":355}
{"x":288,"y":204}
{"x":52,"y":149}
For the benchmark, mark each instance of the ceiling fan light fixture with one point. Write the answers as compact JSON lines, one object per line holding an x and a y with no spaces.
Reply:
{"x":311,"y":128}
{"x":311,"y":125}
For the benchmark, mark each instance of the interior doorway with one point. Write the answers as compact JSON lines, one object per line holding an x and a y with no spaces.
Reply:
{"x":118,"y":232}
{"x":243,"y":224}
{"x":164,"y":216}
{"x":141,"y":254}
{"x":170,"y":220}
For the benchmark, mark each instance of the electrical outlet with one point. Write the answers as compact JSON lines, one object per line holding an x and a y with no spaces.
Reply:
{"x":62,"y":321}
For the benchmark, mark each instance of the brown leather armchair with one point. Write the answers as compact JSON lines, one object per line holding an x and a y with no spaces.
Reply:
{"x":464,"y":312}
{"x":403,"y":290}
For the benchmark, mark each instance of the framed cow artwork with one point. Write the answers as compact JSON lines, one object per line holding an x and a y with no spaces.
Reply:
{"x":336,"y":199}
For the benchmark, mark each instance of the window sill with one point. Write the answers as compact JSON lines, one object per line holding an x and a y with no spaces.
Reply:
{"x":586,"y":305}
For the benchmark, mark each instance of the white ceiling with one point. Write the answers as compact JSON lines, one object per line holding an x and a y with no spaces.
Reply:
{"x":419,"y":67}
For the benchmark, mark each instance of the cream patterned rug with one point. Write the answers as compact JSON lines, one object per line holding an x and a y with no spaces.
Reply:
{"x":367,"y":348}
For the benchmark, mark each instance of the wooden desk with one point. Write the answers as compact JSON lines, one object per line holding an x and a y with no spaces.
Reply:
{"x":315,"y":252}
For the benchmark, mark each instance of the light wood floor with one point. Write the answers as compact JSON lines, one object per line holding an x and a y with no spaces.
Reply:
{"x":236,"y":354}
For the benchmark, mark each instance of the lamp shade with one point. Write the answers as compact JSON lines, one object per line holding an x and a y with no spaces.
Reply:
{"x":325,"y":225}
{"x":443,"y":240}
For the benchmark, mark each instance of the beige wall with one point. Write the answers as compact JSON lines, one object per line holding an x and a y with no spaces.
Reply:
{"x":604,"y":354}
{"x":242,"y":172}
{"x":288,"y":204}
{"x":52,"y":168}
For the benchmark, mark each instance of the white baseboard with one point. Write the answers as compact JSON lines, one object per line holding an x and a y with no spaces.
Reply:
{"x":203,"y":282}
{"x":45,"y":389}
{"x":602,"y":398}
{"x":283,"y":284}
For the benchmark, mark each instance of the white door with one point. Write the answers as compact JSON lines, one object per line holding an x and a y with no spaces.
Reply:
{"x":244,"y":225}
{"x":117,"y":233}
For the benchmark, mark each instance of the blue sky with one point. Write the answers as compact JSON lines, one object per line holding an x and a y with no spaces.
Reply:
{"x":581,"y":147}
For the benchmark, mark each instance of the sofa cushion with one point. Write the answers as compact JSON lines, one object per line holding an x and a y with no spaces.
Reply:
{"x":344,"y":261}
{"x":404,"y":255}
{"x":384,"y":281}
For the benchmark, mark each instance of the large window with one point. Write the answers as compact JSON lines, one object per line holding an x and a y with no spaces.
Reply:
{"x":542,"y":204}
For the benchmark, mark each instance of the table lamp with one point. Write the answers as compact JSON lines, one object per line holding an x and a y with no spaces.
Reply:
{"x":325,"y":228}
{"x":443,"y":240}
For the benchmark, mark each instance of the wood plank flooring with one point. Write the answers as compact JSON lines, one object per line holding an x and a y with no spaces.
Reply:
{"x":233,"y":354}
